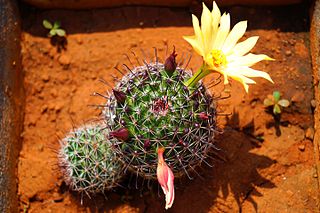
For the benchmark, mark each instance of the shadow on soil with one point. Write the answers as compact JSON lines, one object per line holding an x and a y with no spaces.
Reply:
{"x":104,"y":20}
{"x":226,"y":185}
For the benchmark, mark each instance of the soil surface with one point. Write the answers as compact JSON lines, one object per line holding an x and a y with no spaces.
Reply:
{"x":261,"y":167}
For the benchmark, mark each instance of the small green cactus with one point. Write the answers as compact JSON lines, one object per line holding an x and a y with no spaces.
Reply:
{"x":87,"y":162}
{"x":275,"y":101}
{"x":55,"y":28}
{"x":151,"y":108}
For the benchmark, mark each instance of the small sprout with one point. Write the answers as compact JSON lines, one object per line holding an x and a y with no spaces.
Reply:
{"x":54,"y":28}
{"x":275,"y":101}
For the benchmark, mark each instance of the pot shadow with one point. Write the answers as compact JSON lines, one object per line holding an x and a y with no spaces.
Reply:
{"x":234,"y":179}
{"x":295,"y":18}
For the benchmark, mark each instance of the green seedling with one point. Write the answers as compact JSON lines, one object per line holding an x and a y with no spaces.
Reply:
{"x":55,"y":28}
{"x":275,"y":101}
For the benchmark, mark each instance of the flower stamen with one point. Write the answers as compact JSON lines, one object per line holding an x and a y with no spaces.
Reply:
{"x":218,"y":58}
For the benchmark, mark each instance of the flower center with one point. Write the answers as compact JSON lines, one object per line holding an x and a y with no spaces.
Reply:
{"x":218,"y":58}
{"x":160,"y":106}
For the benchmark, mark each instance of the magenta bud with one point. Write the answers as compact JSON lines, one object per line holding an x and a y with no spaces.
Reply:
{"x":170,"y":64}
{"x":146,"y":144}
{"x":203,"y":116}
{"x":121,"y":134}
{"x":120,"y":96}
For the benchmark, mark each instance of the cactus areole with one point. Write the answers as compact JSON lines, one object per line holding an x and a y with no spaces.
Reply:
{"x":160,"y":111}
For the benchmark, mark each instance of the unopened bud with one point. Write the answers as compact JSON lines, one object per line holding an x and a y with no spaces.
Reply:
{"x":121,"y":134}
{"x":120,"y":96}
{"x":170,"y":64}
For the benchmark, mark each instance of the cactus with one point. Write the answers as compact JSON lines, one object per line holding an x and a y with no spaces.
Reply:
{"x":87,"y":162}
{"x":160,"y":118}
{"x":151,"y":108}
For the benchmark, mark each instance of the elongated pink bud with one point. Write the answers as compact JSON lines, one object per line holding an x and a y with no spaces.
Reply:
{"x":165,"y":178}
{"x":121,"y":134}
{"x":203,"y":116}
{"x":170,"y":64}
{"x":120,"y":96}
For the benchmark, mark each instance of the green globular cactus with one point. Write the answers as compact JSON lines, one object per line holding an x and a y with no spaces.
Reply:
{"x":87,"y":162}
{"x":150,"y":108}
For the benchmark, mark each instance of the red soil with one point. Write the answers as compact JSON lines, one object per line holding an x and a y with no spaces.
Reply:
{"x":276,"y":175}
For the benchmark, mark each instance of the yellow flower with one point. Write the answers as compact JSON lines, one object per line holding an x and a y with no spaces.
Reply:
{"x":220,"y":49}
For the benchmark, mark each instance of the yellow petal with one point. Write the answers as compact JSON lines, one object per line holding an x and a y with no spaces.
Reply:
{"x":249,"y":72}
{"x":206,"y":28}
{"x":244,"y":47}
{"x":222,"y":31}
{"x":236,"y":33}
{"x":197,"y":30}
{"x":216,"y":15}
{"x":192,"y":40}
{"x":244,"y":81}
{"x":249,"y":60}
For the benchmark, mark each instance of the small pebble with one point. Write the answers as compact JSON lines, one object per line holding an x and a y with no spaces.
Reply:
{"x":253,"y":104}
{"x":44,"y":108}
{"x":78,"y":39}
{"x":165,"y":41}
{"x":132,"y":45}
{"x":58,"y":107}
{"x":40,"y":147}
{"x":310,"y":133}
{"x":57,"y":197}
{"x":64,"y":60}
{"x":302,"y":147}
{"x":288,"y":53}
{"x":268,"y":37}
{"x":54,"y":92}
{"x":45,"y":77}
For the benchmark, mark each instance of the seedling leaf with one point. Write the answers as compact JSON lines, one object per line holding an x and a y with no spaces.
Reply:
{"x":56,"y":25}
{"x":276,"y":96}
{"x":267,"y":102}
{"x":284,"y":103}
{"x":276,"y":109}
{"x":47,"y":24}
{"x":60,"y":32}
{"x":52,"y":32}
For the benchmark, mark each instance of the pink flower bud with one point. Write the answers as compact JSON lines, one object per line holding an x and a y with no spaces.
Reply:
{"x":120,"y":96}
{"x":203,"y":116}
{"x":165,"y":178}
{"x":121,"y":134}
{"x":170,"y":64}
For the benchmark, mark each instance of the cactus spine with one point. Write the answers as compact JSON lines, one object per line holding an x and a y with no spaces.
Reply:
{"x":151,"y":108}
{"x":87,"y":162}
